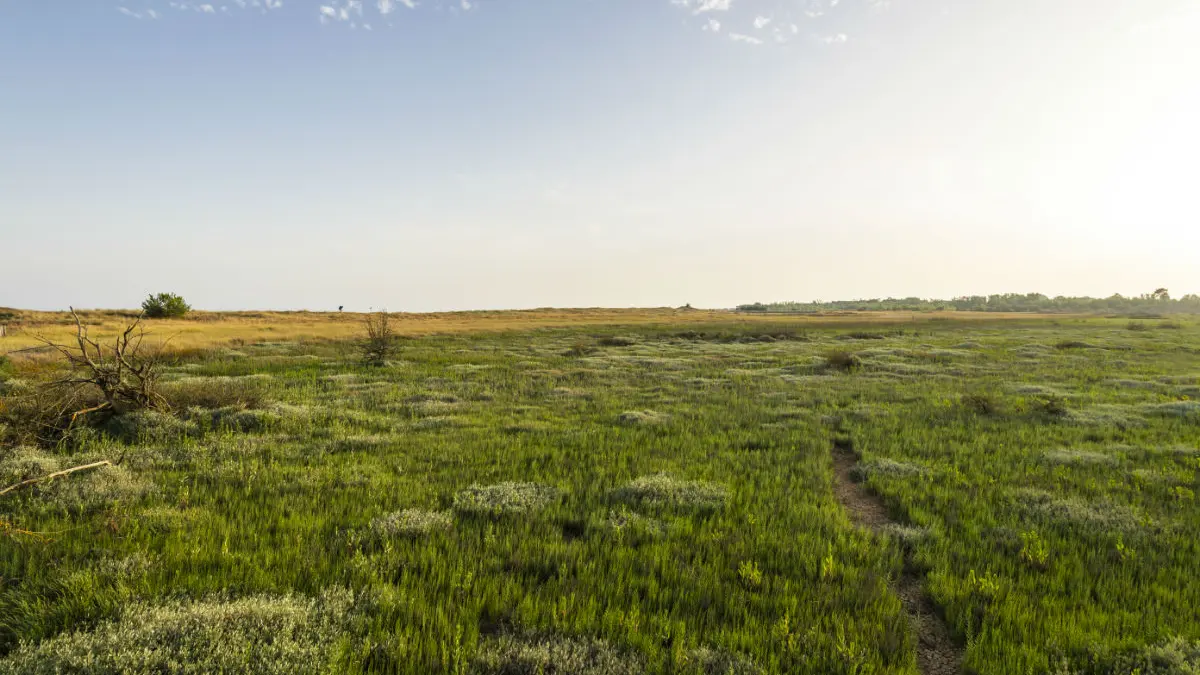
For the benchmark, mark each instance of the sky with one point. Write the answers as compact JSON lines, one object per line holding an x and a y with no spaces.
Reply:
{"x":425,"y":155}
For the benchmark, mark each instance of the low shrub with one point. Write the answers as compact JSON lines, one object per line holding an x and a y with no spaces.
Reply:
{"x":1051,"y":405}
{"x":1176,"y":656}
{"x":1079,"y":458}
{"x":1076,"y":515}
{"x":616,"y":341}
{"x":708,"y":661}
{"x":640,"y":417}
{"x":862,"y":335}
{"x":628,"y":525}
{"x":148,"y":426}
{"x":981,"y":403}
{"x":909,"y":537}
{"x":214,"y":392}
{"x":888,"y":468}
{"x":553,"y":655}
{"x":411,"y":523}
{"x":1183,"y":409}
{"x":580,"y":348}
{"x":504,"y":498}
{"x":664,"y":490}
{"x":1074,"y":344}
{"x":842,"y":360}
{"x":82,"y":491}
{"x":257,"y":634}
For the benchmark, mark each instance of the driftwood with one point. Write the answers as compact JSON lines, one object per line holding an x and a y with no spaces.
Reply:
{"x":125,"y":378}
{"x":56,"y":474}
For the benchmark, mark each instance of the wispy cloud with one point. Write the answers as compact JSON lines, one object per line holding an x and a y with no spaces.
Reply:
{"x":748,"y":21}
{"x":781,"y":21}
{"x":702,"y":6}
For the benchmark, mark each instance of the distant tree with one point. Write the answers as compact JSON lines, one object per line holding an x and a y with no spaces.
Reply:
{"x":164,"y":306}
{"x":1161,"y":294}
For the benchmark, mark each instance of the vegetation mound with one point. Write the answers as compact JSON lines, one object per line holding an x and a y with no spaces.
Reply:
{"x":665,"y":490}
{"x":259,"y":634}
{"x":553,"y":655}
{"x":639,"y":417}
{"x":503,"y":498}
{"x":411,"y":523}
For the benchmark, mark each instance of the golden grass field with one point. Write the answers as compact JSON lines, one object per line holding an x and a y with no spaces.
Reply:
{"x":204,"y":330}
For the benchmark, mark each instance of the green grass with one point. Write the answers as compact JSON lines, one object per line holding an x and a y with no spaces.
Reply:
{"x":632,"y":499}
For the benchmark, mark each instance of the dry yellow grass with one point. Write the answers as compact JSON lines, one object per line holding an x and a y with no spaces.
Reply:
{"x":203,"y":330}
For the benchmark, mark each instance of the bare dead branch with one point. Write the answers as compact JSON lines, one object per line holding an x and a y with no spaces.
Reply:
{"x":56,"y":474}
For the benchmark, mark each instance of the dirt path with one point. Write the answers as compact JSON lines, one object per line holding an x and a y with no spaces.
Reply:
{"x":937,"y":653}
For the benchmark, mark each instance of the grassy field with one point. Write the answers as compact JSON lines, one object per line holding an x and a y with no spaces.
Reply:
{"x":204,"y":330}
{"x":620,"y":492}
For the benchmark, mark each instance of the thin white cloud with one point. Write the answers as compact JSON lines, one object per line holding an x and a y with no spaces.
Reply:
{"x":835,"y":39}
{"x":129,"y":12}
{"x":761,"y":21}
{"x":713,"y":25}
{"x":386,"y":6}
{"x":748,"y":39}
{"x":702,"y":6}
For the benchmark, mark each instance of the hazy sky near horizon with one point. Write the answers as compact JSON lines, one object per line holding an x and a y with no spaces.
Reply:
{"x":466,"y":154}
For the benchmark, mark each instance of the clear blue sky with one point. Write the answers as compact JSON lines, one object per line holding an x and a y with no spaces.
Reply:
{"x":521,"y":153}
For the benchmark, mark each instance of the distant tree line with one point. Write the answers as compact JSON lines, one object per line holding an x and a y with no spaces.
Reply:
{"x":1158,"y":302}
